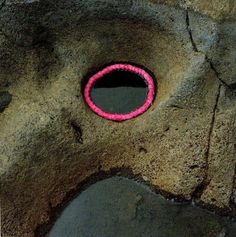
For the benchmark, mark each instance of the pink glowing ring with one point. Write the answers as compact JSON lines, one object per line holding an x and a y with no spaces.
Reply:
{"x":125,"y":67}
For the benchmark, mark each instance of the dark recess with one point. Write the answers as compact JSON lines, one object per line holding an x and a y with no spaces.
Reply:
{"x":5,"y":100}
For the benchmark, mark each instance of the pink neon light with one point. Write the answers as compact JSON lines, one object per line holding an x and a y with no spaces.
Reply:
{"x":124,"y":67}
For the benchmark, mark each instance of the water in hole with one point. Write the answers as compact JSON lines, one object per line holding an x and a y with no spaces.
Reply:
{"x":119,"y":92}
{"x":118,"y":207}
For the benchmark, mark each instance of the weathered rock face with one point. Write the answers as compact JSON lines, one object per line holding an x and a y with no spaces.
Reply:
{"x":51,"y":143}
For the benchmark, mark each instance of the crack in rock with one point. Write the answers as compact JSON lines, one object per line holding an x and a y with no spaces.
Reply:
{"x":77,"y":132}
{"x":213,"y":122}
{"x":217,"y":73}
{"x":189,"y":29}
{"x":208,"y":60}
{"x":5,"y":100}
{"x":205,"y":182}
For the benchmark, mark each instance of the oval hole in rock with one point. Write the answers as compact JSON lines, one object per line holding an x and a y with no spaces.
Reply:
{"x":120,"y":92}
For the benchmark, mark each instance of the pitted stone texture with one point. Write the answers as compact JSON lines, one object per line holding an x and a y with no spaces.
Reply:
{"x":41,"y":159}
{"x":221,"y":161}
{"x":12,"y":64}
{"x":216,"y":9}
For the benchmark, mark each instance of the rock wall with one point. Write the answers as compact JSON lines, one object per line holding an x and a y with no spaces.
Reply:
{"x":51,"y":144}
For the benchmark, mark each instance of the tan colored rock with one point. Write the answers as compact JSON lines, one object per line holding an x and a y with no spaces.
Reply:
{"x":221,"y":160}
{"x":217,"y":9}
{"x":186,"y":140}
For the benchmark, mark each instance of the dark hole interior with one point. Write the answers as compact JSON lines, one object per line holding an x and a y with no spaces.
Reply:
{"x":119,"y":92}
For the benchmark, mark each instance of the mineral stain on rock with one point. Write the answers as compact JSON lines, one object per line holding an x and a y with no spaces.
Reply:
{"x":5,"y":100}
{"x":121,"y":207}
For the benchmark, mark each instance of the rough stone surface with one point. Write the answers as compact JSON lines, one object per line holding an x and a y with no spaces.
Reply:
{"x":216,"y":9}
{"x":184,"y":145}
{"x":221,"y":160}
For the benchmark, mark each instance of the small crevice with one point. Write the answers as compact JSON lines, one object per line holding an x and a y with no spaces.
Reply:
{"x":233,"y":86}
{"x":212,"y":124}
{"x":77,"y":132}
{"x":189,"y":29}
{"x":143,"y":150}
{"x":176,"y":106}
{"x":197,"y":193}
{"x":213,"y":68}
{"x":5,"y":100}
